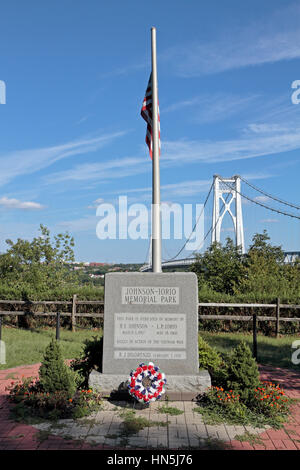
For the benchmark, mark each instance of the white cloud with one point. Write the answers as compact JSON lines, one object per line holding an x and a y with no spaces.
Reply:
{"x":266,"y":128}
{"x":80,"y":225}
{"x":262,"y":198}
{"x":182,"y":151}
{"x":213,"y":107}
{"x":269,"y":221}
{"x":101,"y":171}
{"x":83,"y":119}
{"x":181,"y":104}
{"x":96,"y":203}
{"x":16,"y":204}
{"x":257,"y":139}
{"x":269,"y":40}
{"x":127,"y":69}
{"x":184,"y":188}
{"x":258,"y":176}
{"x":22,"y":162}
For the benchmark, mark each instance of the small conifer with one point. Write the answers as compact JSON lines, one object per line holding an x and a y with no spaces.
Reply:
{"x":242,"y":371}
{"x":54,"y":374}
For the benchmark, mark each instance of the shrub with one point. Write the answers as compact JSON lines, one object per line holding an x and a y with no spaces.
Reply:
{"x":18,"y":390}
{"x":209,"y":358}
{"x":85,"y":402}
{"x":220,"y":405}
{"x":242,"y":371}
{"x":240,"y":397}
{"x":54,"y":375}
{"x":32,"y":402}
{"x":270,"y":400}
{"x":54,"y":395}
{"x":90,"y":358}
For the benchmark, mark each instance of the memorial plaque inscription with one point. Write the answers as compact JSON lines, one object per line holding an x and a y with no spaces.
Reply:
{"x":150,"y":295}
{"x":150,"y":331}
{"x":151,"y":317}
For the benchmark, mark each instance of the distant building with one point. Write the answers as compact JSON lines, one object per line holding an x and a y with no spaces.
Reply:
{"x":98,"y":264}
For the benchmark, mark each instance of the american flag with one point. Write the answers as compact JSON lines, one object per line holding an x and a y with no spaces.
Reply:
{"x":146,"y":114}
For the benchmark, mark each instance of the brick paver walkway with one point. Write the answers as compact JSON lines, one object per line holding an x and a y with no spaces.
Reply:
{"x":103,"y":429}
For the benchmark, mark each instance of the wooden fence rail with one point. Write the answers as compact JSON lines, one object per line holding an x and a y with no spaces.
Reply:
{"x":101,"y":302}
{"x":73,"y":314}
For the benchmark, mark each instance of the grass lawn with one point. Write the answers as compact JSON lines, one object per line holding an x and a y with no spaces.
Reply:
{"x":270,"y":351}
{"x":27,"y":347}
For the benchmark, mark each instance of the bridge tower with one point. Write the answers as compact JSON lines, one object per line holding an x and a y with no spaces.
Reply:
{"x":228,"y":186}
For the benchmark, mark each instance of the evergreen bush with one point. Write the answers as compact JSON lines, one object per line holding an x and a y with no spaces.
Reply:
{"x":242,"y":372}
{"x":209,"y":358}
{"x":54,"y":375}
{"x":90,"y":358}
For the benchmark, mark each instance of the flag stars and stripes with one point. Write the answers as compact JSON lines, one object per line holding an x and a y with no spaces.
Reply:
{"x":146,"y":114}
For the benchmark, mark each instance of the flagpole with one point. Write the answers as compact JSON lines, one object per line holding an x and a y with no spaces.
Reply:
{"x":156,"y":220}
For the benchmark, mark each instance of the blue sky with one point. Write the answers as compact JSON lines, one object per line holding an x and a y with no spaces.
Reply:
{"x":71,"y":131}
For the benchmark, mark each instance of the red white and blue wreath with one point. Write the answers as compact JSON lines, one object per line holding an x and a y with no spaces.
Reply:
{"x":147,"y":383}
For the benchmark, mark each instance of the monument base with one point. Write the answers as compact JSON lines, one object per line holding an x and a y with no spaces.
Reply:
{"x":178,"y":387}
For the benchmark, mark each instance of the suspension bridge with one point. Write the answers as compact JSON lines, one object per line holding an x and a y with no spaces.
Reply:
{"x":228,"y":197}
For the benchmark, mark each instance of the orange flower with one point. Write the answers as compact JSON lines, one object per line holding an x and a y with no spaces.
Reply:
{"x":70,"y":400}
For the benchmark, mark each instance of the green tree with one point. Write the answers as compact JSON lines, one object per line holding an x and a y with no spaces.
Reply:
{"x":263,"y":268}
{"x":41,"y":263}
{"x":220,"y":267}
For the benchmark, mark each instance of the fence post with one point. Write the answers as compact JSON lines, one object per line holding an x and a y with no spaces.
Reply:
{"x":0,"y":327}
{"x":277,"y":316}
{"x":58,"y":326}
{"x":73,"y":318}
{"x":254,"y":336}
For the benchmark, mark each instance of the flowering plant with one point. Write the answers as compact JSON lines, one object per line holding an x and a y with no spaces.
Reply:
{"x":225,"y":396}
{"x":270,"y":398}
{"x":29,"y":395}
{"x":146,"y":383}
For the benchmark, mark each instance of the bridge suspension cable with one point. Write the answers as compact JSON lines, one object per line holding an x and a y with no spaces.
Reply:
{"x":193,"y":229}
{"x":212,"y":227}
{"x":270,"y":195}
{"x":261,"y":204}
